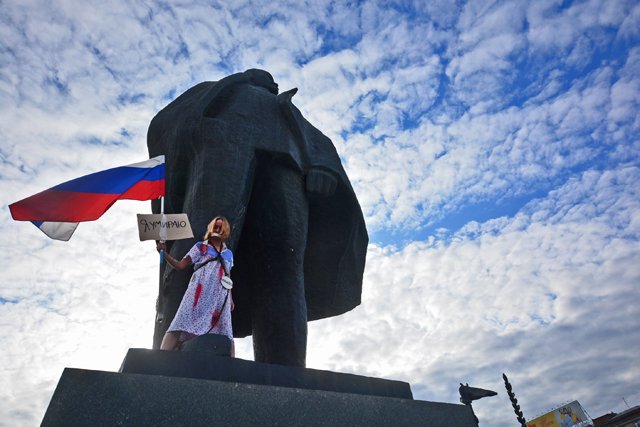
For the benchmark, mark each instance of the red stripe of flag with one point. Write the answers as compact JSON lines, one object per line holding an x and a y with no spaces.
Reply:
{"x":63,"y":206}
{"x":144,"y":190}
{"x":67,"y":206}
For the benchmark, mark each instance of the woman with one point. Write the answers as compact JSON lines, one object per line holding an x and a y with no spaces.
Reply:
{"x":206,"y":305}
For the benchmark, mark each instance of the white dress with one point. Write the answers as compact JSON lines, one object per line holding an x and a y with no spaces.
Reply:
{"x":204,"y":298}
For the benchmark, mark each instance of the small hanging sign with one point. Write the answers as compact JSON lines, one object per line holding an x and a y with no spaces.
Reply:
{"x":164,"y":227}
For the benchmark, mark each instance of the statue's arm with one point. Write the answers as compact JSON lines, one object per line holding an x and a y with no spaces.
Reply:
{"x":321,"y":181}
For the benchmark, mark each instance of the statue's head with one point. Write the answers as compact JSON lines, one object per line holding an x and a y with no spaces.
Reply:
{"x":263,"y":79}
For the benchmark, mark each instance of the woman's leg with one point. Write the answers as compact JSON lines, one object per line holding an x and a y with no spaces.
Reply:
{"x":170,"y":341}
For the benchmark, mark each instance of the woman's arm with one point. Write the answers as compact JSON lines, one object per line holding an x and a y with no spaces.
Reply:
{"x":178,"y":265}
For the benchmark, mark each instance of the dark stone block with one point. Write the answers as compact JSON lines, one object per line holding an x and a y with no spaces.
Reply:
{"x":95,"y":398}
{"x":213,"y":343}
{"x":209,"y":366}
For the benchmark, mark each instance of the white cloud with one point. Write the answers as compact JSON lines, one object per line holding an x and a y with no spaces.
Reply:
{"x":630,"y":26}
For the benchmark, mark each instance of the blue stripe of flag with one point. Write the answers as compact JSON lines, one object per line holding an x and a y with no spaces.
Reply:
{"x":112,"y":181}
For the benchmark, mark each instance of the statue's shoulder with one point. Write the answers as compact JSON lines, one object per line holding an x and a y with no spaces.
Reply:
{"x":188,"y":95}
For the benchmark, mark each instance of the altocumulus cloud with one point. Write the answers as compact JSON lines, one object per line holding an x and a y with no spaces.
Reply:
{"x":493,"y":147}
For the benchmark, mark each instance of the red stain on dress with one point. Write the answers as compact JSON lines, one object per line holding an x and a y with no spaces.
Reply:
{"x":197,"y":296}
{"x":214,"y":318}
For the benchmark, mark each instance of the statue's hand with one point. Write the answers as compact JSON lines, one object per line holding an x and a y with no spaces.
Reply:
{"x":321,"y":182}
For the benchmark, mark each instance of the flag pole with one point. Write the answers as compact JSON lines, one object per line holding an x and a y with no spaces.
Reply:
{"x":159,"y":307}
{"x":161,"y":233}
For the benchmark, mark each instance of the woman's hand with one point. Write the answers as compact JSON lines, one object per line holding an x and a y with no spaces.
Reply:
{"x":161,"y":246}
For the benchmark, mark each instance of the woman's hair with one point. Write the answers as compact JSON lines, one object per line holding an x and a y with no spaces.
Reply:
{"x":225,"y":232}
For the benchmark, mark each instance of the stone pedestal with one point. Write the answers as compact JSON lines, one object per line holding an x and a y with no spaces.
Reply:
{"x":193,"y":388}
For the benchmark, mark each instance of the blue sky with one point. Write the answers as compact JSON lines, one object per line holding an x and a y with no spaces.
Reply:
{"x":493,"y":146}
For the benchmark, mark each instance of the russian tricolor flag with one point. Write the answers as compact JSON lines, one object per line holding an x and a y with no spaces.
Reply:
{"x":58,"y":210}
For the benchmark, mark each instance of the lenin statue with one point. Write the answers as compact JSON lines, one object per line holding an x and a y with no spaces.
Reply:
{"x":237,"y":148}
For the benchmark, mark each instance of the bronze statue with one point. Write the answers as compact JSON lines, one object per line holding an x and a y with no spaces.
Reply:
{"x":238,"y":148}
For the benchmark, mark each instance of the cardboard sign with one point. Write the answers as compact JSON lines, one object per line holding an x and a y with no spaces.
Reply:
{"x":164,"y":227}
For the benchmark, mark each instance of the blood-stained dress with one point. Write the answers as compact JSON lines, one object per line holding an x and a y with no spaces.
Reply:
{"x":204,"y":298}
